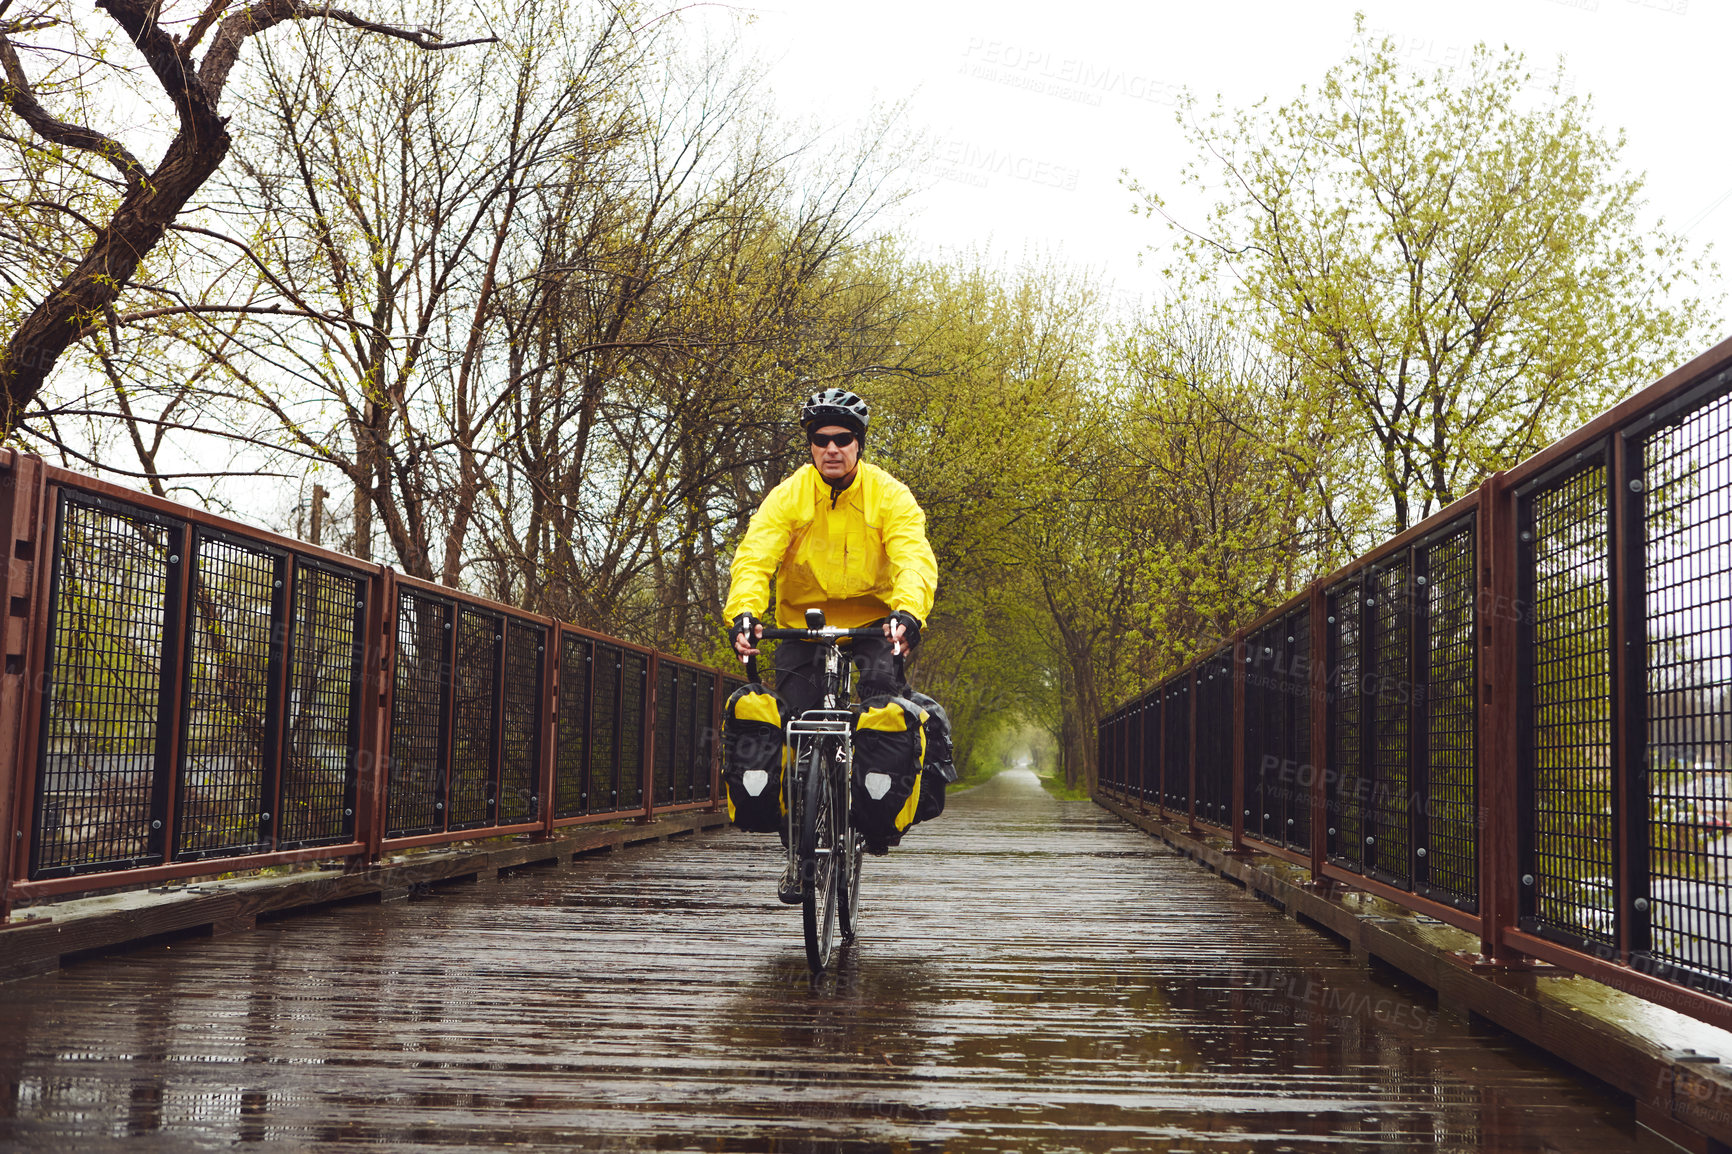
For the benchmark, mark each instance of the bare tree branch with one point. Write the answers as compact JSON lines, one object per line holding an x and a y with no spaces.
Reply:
{"x":151,"y":204}
{"x":22,"y":100}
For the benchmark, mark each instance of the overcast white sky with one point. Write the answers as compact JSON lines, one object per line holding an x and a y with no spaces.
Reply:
{"x":1036,"y":107}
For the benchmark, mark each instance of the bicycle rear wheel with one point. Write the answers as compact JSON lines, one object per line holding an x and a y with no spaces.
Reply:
{"x":819,"y":859}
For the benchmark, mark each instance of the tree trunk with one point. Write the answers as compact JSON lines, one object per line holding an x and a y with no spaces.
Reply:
{"x":120,"y":247}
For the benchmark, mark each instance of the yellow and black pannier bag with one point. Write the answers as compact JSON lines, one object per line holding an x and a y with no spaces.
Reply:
{"x":752,"y":759}
{"x":889,"y":743}
{"x":938,"y":763}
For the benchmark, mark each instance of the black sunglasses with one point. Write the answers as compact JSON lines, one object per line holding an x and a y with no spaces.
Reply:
{"x":825,"y":440}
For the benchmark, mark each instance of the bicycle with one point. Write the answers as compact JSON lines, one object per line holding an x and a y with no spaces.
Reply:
{"x":818,"y":794}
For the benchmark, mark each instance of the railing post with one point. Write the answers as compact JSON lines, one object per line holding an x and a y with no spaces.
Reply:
{"x":26,"y":535}
{"x":379,"y":681}
{"x":1628,"y":628}
{"x":1499,"y":622}
{"x":179,"y":625}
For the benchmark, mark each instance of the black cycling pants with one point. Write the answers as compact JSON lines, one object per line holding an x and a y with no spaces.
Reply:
{"x":800,"y":671}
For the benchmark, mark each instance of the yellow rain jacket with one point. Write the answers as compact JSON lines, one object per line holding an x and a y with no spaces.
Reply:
{"x":857,"y":559}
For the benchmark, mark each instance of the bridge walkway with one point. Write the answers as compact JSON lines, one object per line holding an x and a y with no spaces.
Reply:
{"x":1034,"y":975}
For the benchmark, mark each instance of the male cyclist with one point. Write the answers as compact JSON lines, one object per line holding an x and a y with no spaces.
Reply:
{"x":841,"y":535}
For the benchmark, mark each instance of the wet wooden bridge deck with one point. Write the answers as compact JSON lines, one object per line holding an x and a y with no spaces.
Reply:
{"x":1033,"y":976}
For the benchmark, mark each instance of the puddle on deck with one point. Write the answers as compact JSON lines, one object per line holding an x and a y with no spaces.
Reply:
{"x":1032,"y":976}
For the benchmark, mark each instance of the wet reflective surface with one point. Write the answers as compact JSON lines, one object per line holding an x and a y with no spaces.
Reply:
{"x":1032,"y":976}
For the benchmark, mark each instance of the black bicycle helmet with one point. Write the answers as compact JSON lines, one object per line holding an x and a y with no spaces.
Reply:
{"x":835,"y":407}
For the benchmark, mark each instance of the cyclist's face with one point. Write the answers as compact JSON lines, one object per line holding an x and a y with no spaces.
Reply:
{"x":834,"y":461}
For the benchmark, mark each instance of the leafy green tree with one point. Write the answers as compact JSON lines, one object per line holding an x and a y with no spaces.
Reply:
{"x":1464,"y":264}
{"x":1242,"y":461}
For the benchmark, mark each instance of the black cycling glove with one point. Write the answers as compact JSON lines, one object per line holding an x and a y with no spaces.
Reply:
{"x":910,"y":625}
{"x":745,"y":623}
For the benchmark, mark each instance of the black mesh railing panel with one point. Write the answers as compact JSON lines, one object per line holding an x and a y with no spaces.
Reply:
{"x":1202,"y":787}
{"x":605,"y":730}
{"x":1299,"y":770}
{"x":667,"y":708}
{"x":1269,"y":767}
{"x":1280,"y":769}
{"x":1149,"y":783}
{"x":1148,"y":747}
{"x":475,"y":680}
{"x":1176,"y":717}
{"x":1570,"y":830}
{"x":634,"y":685}
{"x":1133,"y":728}
{"x":571,"y":760}
{"x":1343,"y":776}
{"x":520,"y":723}
{"x":1389,"y":836}
{"x":225,"y":743}
{"x":1686,"y":510}
{"x":109,"y":629}
{"x":1127,"y":745}
{"x":1262,"y":725}
{"x":1104,"y":743}
{"x":703,"y":722}
{"x":685,"y":737}
{"x":323,"y":725}
{"x":1121,"y":740}
{"x":1451,"y":812}
{"x":1215,"y":741}
{"x":415,"y":798}
{"x":1146,"y":784}
{"x":1222,"y":735}
{"x":1116,"y":754}
{"x":1127,"y":769}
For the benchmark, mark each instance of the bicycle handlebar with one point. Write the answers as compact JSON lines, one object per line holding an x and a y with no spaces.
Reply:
{"x":828,"y":633}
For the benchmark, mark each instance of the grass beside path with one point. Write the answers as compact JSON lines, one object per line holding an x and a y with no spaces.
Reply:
{"x":1055,"y":785}
{"x":1051,"y":782}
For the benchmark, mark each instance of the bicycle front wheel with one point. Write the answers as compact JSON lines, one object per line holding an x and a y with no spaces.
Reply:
{"x":850,"y":859}
{"x":819,"y":856}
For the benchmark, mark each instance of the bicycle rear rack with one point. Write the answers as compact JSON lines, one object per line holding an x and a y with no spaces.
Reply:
{"x":822,"y":721}
{"x":814,"y":723}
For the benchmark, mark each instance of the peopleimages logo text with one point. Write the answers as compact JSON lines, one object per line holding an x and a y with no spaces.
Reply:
{"x":1066,"y":77}
{"x":974,"y":164}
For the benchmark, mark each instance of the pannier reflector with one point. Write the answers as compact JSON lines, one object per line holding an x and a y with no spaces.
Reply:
{"x":877,"y":785}
{"x":756,"y":779}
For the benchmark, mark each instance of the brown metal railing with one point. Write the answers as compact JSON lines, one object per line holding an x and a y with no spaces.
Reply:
{"x":1515,"y":717}
{"x":184,"y":695}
